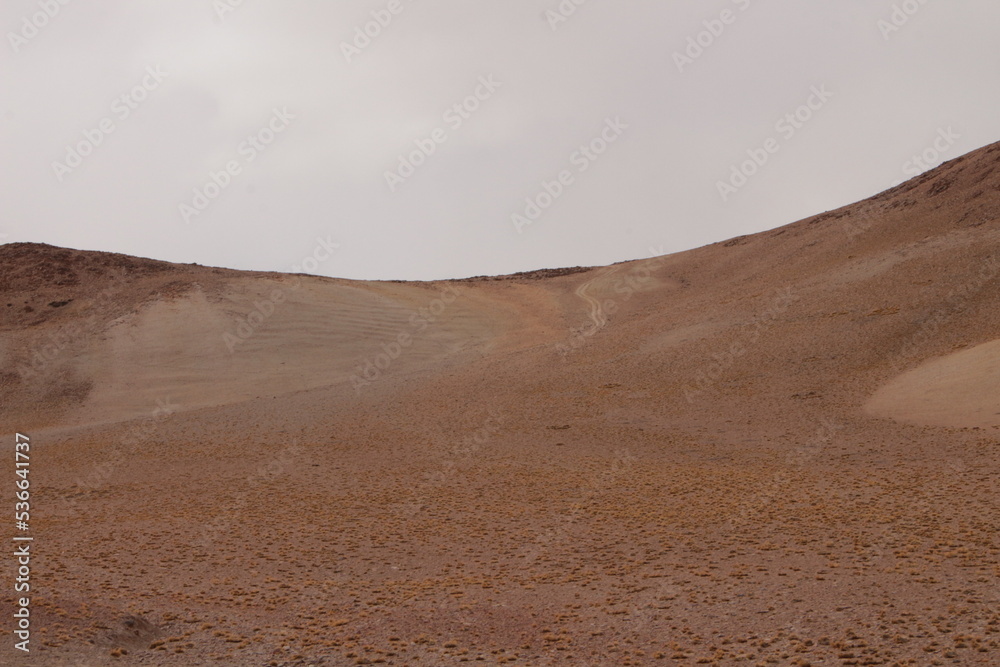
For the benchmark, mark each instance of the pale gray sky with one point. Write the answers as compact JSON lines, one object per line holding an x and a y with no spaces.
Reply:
{"x":183,"y":85}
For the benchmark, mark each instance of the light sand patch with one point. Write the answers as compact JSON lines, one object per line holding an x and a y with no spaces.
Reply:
{"x":959,"y":390}
{"x":321,"y":333}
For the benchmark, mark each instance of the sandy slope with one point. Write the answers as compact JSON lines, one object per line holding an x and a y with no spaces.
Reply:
{"x":781,"y":449}
{"x":960,"y":389}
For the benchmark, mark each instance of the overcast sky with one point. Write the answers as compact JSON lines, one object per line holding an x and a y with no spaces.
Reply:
{"x":258,"y":134}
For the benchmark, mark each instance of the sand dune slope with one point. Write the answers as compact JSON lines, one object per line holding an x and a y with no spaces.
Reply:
{"x":781,"y":449}
{"x":960,"y":389}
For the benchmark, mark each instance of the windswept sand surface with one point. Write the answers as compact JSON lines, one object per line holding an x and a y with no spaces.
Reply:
{"x":777,"y":450}
{"x":960,"y":389}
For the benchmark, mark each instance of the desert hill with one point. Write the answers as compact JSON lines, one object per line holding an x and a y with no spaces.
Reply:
{"x":886,"y":270}
{"x":777,"y":449}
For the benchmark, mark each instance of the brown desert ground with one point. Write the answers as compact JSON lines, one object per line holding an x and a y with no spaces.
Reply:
{"x":781,"y":449}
